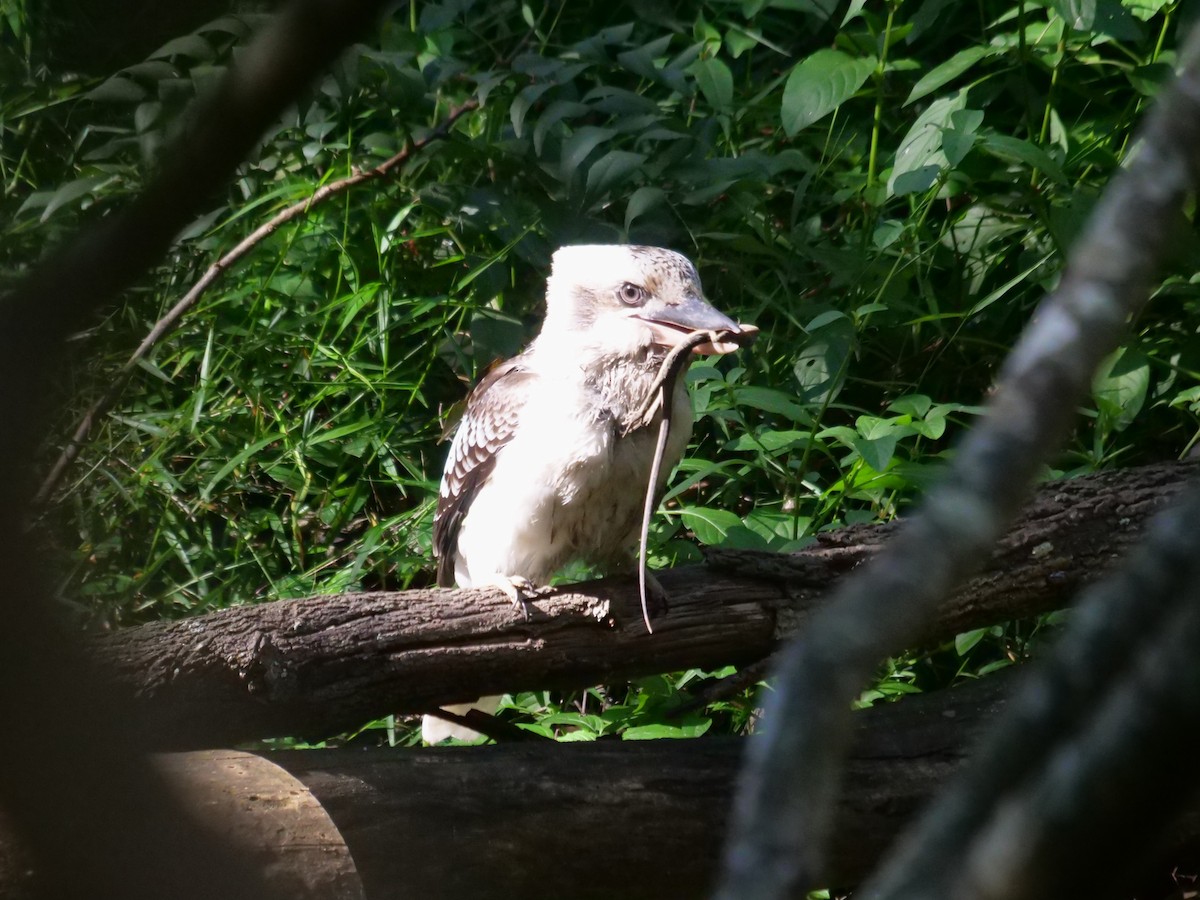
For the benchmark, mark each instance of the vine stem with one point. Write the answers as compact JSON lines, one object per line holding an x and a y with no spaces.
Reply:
{"x":877,"y":124}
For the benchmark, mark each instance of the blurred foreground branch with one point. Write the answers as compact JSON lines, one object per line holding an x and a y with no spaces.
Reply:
{"x":55,"y":789}
{"x":792,"y":776}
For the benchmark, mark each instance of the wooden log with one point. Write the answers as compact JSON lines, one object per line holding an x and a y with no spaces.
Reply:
{"x":629,"y":819}
{"x":271,"y":815}
{"x":317,"y":666}
{"x":633,"y":819}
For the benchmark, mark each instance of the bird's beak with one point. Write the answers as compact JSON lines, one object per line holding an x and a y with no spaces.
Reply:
{"x":670,"y":324}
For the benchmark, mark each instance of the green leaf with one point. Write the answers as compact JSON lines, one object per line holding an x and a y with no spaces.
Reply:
{"x":968,"y":639}
{"x":932,"y":427}
{"x":772,"y":400}
{"x":612,"y":169}
{"x":522,"y":103}
{"x":1106,"y":17}
{"x":642,"y":201}
{"x":555,"y":113}
{"x":1121,"y":387}
{"x":709,"y":525}
{"x":74,"y":190}
{"x":1013,"y":149}
{"x":715,"y":82}
{"x":919,"y":158}
{"x":577,"y":147}
{"x":146,"y":115}
{"x":820,"y":84}
{"x":769,"y":440}
{"x":117,"y":90}
{"x":943,"y":74}
{"x":876,"y":452}
{"x":915,"y":405}
{"x":190,"y":45}
{"x":656,"y":731}
{"x":820,"y":367}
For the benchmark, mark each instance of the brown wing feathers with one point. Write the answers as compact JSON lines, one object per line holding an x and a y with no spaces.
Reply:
{"x":490,"y":420}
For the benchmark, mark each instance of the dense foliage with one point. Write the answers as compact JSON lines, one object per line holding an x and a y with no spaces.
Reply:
{"x":885,"y":188}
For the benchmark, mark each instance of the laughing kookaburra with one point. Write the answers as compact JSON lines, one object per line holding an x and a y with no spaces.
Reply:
{"x":548,"y":466}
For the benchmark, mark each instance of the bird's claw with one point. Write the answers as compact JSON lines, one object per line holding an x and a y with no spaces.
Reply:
{"x":519,"y":590}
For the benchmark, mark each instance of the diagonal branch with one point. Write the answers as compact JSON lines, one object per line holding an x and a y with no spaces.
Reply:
{"x":791,"y":779}
{"x":168,"y":322}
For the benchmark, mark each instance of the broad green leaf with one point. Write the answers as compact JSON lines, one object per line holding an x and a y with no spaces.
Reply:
{"x":916,"y":181}
{"x":553,"y":114}
{"x":853,"y":10}
{"x":932,"y":427}
{"x":522,"y":103}
{"x":943,"y":74}
{"x":577,"y":147}
{"x":825,"y":318}
{"x":1146,"y":9}
{"x":920,"y":150}
{"x":642,"y":201}
{"x":190,"y":45}
{"x":1107,"y":17}
{"x":640,"y":60}
{"x":968,"y":639}
{"x":769,"y":440}
{"x":73,"y":190}
{"x":1013,"y":149}
{"x":876,"y":452}
{"x":739,"y":537}
{"x":117,"y":90}
{"x":915,"y":405}
{"x":715,"y":82}
{"x":820,"y":84}
{"x":821,"y":365}
{"x":773,"y":401}
{"x":1121,"y":387}
{"x":653,"y":732}
{"x":887,"y":232}
{"x":1191,"y":396}
{"x":146,"y":115}
{"x":612,"y":169}
{"x":709,"y":525}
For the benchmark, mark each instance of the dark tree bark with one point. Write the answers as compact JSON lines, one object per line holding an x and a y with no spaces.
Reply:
{"x":633,"y":819}
{"x":314,"y":667}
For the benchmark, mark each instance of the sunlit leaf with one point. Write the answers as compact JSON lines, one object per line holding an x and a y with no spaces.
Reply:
{"x":820,"y":84}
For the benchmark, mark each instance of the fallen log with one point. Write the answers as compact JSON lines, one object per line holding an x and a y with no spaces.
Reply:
{"x":629,"y":819}
{"x":321,"y":665}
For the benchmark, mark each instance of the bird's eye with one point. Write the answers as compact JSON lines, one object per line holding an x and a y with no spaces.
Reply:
{"x":632,"y":294}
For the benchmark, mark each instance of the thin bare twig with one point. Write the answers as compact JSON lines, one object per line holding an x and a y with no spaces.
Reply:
{"x":168,"y":322}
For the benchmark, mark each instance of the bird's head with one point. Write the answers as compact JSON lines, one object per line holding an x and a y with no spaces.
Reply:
{"x":633,"y":296}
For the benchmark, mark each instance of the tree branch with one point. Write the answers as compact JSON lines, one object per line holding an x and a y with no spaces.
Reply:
{"x":319,"y":666}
